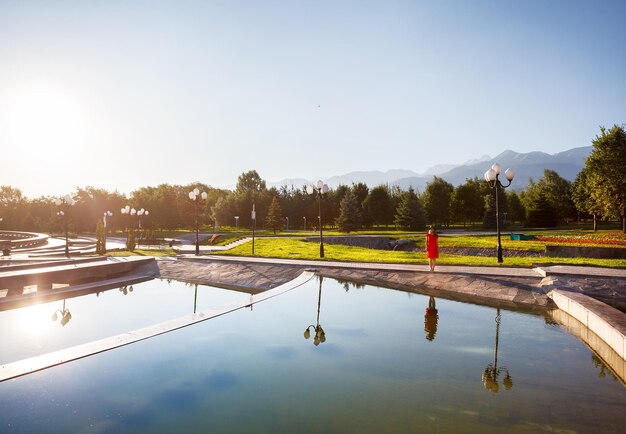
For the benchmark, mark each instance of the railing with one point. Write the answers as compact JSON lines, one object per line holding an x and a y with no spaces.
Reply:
{"x":21,"y":240}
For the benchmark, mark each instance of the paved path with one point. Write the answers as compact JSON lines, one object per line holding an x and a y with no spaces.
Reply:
{"x":515,"y":287}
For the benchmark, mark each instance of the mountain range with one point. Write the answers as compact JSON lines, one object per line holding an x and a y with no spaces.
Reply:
{"x":526,"y":165}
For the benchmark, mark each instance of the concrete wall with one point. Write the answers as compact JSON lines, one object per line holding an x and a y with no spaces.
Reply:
{"x":608,"y":323}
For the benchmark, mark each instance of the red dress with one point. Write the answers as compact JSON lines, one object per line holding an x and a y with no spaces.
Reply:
{"x":432,"y":248}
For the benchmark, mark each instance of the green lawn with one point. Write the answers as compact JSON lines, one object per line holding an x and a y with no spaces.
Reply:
{"x":294,"y":248}
{"x":293,"y":245}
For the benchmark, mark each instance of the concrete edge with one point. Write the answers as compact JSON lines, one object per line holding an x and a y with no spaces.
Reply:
{"x":44,"y":361}
{"x":608,"y":323}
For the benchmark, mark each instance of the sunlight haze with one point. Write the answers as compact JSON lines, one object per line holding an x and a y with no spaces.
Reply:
{"x":125,"y":94}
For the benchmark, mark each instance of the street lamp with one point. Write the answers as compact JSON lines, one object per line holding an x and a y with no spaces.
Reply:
{"x":287,"y":224}
{"x":64,"y":203}
{"x":140,"y":213}
{"x":492,"y":372}
{"x":193,"y":195}
{"x":304,"y":218}
{"x":321,"y":189}
{"x":320,"y":335}
{"x":237,"y":222}
{"x":491,"y":176}
{"x":104,"y":223}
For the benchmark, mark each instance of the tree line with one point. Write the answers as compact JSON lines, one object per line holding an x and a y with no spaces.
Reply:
{"x":599,"y":192}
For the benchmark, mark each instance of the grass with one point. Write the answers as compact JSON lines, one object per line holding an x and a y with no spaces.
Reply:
{"x":298,"y":248}
{"x":292,"y":245}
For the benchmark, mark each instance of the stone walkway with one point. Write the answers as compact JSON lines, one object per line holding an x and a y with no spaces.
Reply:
{"x":501,"y":286}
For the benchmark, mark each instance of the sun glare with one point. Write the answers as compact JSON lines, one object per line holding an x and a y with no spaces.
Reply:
{"x":42,"y":122}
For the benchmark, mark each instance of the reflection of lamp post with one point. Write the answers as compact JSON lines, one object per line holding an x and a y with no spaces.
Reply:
{"x":64,"y":204}
{"x":321,"y":189}
{"x":491,"y":176}
{"x":193,"y":195}
{"x":320,"y":336}
{"x":66,"y":316}
{"x":492,"y":372}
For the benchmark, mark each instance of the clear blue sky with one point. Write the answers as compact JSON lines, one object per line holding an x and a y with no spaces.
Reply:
{"x":123,"y":94}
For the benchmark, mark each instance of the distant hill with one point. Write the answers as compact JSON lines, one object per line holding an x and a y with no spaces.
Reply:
{"x":526,"y":165}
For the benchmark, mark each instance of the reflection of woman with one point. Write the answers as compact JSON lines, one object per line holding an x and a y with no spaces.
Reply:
{"x":430,"y":319}
{"x":432,"y":247}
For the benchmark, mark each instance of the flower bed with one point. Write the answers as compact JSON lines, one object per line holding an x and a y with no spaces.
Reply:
{"x":611,"y":239}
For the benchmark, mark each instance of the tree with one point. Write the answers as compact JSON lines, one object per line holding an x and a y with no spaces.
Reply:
{"x":541,"y":214}
{"x":378,"y":206}
{"x":582,"y":198}
{"x":409,"y":212}
{"x":437,"y":197}
{"x":274,"y":218}
{"x":467,"y":204}
{"x":515,"y":209}
{"x":553,"y":189}
{"x":606,"y":177}
{"x":349,"y":213}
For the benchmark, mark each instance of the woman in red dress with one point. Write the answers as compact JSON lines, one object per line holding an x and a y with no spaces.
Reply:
{"x":432,"y":247}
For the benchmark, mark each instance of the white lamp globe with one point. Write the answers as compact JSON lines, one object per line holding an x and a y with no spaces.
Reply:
{"x":203,"y":195}
{"x":509,"y":174}
{"x":496,"y":168}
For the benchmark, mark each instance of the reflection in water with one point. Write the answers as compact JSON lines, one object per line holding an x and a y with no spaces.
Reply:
{"x":126,"y":289}
{"x":320,"y":336}
{"x":66,"y":316}
{"x":430,"y":319}
{"x":492,"y":371}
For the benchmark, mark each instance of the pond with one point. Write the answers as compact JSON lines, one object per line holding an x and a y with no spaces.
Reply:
{"x":327,"y":356}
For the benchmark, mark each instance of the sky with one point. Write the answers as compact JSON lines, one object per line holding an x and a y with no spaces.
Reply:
{"x":126,"y":94}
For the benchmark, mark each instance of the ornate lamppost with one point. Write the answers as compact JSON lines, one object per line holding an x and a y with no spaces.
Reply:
{"x":104,"y":223}
{"x":194,"y":195}
{"x":321,"y":189}
{"x":64,"y":204}
{"x":320,"y":335}
{"x":492,"y":371}
{"x":492,"y":178}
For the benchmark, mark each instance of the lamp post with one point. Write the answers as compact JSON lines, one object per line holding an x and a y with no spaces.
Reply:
{"x":321,"y":189}
{"x":287,"y":224}
{"x":320,"y":335}
{"x":237,"y":222}
{"x":193,"y":195}
{"x":64,"y":203}
{"x":492,"y":178}
{"x":253,"y":218}
{"x":304,"y":218}
{"x":140,"y":213}
{"x":127,"y":210}
{"x":104,"y":223}
{"x":492,"y":372}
